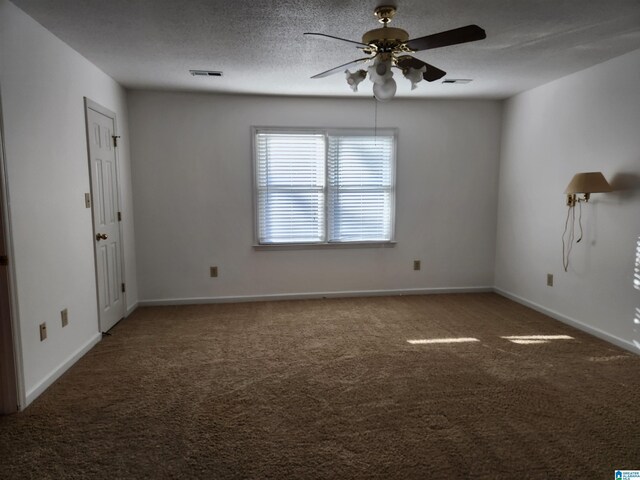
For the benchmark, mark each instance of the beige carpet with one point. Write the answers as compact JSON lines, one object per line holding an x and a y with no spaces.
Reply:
{"x":331,"y":389}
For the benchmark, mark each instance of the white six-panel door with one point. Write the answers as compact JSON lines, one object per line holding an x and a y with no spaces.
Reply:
{"x":106,"y":225}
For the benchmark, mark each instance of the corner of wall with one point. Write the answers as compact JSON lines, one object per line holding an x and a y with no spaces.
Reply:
{"x":587,"y":121}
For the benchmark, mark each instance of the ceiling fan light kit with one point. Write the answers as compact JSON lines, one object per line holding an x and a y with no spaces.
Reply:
{"x":387,"y":48}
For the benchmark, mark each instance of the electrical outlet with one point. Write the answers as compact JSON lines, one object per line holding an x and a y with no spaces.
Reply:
{"x":43,"y":331}
{"x":64,"y":317}
{"x":416,"y":264}
{"x":549,"y":279}
{"x":213,"y":271}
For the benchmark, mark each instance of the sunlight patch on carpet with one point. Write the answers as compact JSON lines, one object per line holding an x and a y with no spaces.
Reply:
{"x":535,"y":339}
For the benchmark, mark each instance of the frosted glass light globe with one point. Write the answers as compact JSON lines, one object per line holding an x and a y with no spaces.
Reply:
{"x":385,"y":91}
{"x":415,"y":75}
{"x":380,"y":71}
{"x":354,"y":79}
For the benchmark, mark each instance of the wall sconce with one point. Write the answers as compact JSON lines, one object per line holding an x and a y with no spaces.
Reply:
{"x":585,"y":183}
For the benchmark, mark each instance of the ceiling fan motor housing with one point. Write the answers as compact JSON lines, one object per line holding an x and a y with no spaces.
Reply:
{"x":385,"y":36}
{"x":385,"y":39}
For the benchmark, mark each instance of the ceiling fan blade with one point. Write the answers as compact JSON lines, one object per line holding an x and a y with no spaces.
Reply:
{"x":342,"y":68}
{"x":470,"y":33}
{"x":431,"y":73}
{"x":337,"y":38}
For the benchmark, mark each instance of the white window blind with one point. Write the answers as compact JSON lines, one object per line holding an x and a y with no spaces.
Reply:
{"x":324,"y":186}
{"x":360,"y":170}
{"x":290,"y":184}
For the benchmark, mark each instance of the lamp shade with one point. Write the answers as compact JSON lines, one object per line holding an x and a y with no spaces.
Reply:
{"x":588,"y":182}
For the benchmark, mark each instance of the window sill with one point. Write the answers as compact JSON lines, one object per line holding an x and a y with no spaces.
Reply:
{"x":311,"y":246}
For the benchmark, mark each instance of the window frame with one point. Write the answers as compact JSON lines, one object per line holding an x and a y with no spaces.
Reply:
{"x":326,"y":132}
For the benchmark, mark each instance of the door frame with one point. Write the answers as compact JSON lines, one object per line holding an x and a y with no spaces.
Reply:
{"x":91,"y":105}
{"x":12,"y":390}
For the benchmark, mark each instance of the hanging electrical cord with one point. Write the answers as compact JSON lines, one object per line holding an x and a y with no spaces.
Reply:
{"x":580,"y":221}
{"x":568,"y":245}
{"x":566,"y":248}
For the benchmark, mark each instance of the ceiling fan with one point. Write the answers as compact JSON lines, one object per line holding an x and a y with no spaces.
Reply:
{"x":388,"y":47}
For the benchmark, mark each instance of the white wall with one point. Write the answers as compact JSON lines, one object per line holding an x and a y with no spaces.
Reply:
{"x":588,"y":121}
{"x":43,"y":82}
{"x":192,"y":175}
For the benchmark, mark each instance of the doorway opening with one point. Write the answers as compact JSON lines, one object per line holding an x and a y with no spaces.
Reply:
{"x":10,"y":382}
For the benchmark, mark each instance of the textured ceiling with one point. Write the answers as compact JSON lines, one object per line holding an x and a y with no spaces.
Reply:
{"x":260,"y":45}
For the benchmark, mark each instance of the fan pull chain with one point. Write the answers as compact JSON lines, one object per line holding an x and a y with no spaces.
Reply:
{"x":375,"y":120}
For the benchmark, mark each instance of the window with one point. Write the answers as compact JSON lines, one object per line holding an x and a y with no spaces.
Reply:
{"x":324,"y":186}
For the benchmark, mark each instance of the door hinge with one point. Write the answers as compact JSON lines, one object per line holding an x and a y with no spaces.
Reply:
{"x":4,"y":260}
{"x":115,"y":140}
{"x":123,"y":288}
{"x":119,"y":216}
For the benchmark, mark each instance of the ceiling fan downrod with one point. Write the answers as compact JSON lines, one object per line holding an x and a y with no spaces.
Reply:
{"x":385,"y":13}
{"x":385,"y":39}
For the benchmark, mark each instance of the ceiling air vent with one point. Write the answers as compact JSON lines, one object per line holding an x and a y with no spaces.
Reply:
{"x":205,"y":73}
{"x":457,"y":80}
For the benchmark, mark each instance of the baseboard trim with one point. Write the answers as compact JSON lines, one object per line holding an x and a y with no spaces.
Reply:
{"x":596,"y":332}
{"x":311,"y":295}
{"x":131,"y":309}
{"x":57,"y":373}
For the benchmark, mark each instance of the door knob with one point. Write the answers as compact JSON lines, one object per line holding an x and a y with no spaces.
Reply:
{"x":101,"y":236}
